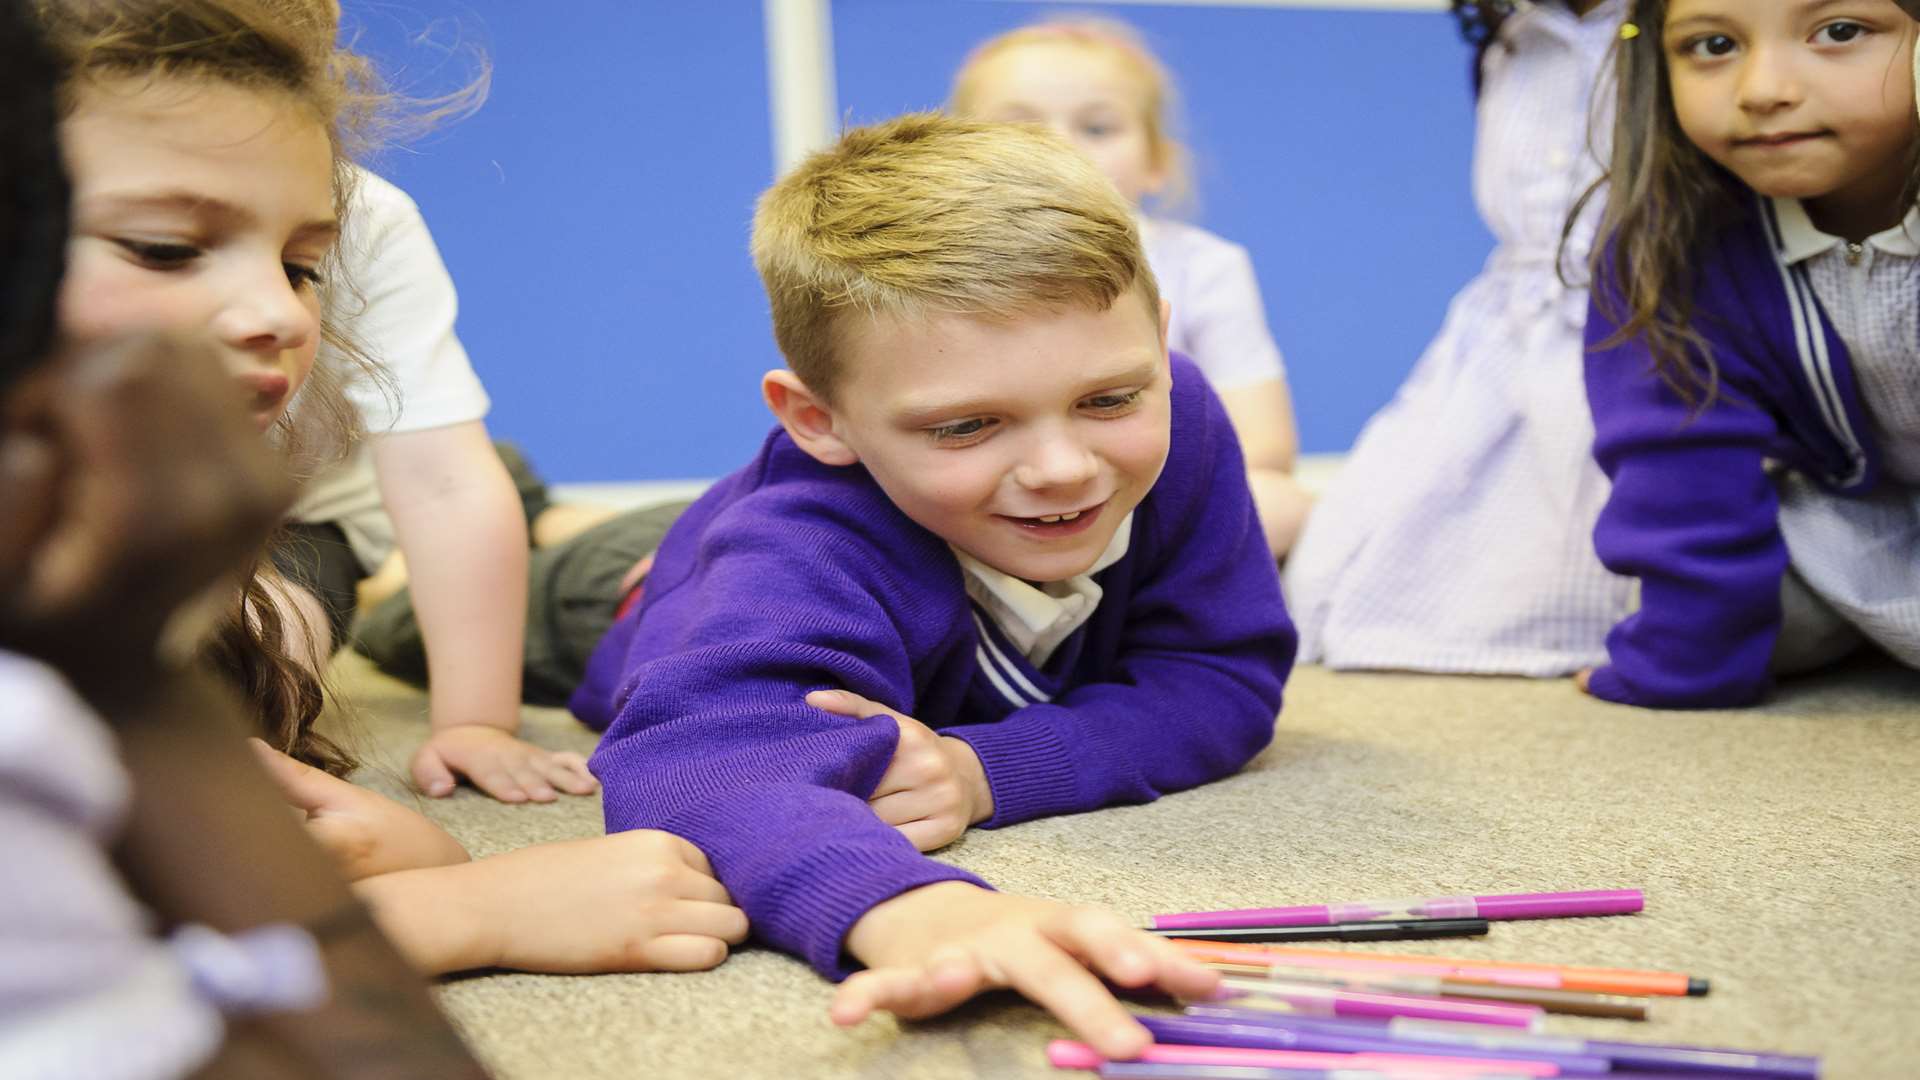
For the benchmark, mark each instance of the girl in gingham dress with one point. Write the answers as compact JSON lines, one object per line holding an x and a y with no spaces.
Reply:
{"x":1457,"y":535}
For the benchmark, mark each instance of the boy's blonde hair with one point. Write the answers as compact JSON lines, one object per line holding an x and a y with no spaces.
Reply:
{"x":1159,"y":99}
{"x":927,"y":214}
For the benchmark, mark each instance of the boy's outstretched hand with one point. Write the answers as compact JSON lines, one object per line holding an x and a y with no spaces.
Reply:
{"x":365,"y":832}
{"x":499,"y":763}
{"x":929,"y":949}
{"x":933,"y":789}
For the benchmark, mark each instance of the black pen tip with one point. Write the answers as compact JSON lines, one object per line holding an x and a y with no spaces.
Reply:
{"x":1696,"y":987}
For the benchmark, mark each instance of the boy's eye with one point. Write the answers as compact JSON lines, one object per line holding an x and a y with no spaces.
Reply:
{"x":160,"y":255}
{"x":302,"y":277}
{"x":1838,"y":33}
{"x":959,"y":430}
{"x":1709,"y":46}
{"x":1110,"y":403}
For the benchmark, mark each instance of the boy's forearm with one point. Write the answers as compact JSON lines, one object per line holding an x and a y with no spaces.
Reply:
{"x":460,"y":525}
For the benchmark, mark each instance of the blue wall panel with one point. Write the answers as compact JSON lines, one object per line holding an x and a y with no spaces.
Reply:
{"x":595,"y":212}
{"x":1335,"y":145}
{"x":595,"y":215}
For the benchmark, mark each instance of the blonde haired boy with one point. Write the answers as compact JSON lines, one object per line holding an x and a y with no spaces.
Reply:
{"x":998,"y":562}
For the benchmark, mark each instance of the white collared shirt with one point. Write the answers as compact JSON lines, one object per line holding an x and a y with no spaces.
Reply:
{"x":1869,"y":293}
{"x":1037,"y":618}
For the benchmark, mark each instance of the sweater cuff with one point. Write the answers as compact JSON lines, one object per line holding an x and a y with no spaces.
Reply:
{"x":817,"y":902}
{"x":1605,"y":683}
{"x":1030,"y":769}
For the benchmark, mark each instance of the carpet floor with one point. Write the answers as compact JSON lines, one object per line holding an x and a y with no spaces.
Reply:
{"x":1779,"y":848}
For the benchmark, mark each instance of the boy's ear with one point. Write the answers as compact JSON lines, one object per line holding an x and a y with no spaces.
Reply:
{"x":1166,"y":310}
{"x":806,"y":417}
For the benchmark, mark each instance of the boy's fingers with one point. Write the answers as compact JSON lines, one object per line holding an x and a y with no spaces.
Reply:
{"x":929,"y":834}
{"x":1059,"y":984}
{"x":846,"y":703}
{"x":1582,"y":679}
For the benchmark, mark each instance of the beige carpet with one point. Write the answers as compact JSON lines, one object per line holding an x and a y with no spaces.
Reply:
{"x":1779,"y":848}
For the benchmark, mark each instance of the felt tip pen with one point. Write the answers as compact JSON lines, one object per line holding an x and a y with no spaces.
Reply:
{"x":1549,"y":905}
{"x":1153,"y":1070}
{"x":1323,"y":1001}
{"x":1196,"y":1030}
{"x":1564,"y":977}
{"x":1067,"y":1054}
{"x":1564,"y":1002}
{"x":1396,"y":930}
{"x":1699,"y":1061}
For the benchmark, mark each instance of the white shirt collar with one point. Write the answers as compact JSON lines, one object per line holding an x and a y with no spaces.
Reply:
{"x":1800,"y":239}
{"x":1036,"y":619}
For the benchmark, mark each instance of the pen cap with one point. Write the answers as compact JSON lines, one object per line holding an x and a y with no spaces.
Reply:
{"x":1563,"y":904}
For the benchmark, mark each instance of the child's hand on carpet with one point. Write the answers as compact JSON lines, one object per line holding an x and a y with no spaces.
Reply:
{"x":933,"y":789}
{"x":929,"y":949}
{"x":365,"y":832}
{"x":632,"y":901}
{"x":1584,"y":680}
{"x":498,"y":763}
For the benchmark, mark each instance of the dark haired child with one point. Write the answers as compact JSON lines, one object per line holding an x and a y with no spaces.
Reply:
{"x":1754,"y":379}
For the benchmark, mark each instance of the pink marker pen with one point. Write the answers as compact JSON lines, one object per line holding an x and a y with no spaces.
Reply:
{"x":1555,"y":905}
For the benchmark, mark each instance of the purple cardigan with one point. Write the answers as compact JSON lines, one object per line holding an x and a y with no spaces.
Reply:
{"x":791,"y":576}
{"x":1693,"y":513}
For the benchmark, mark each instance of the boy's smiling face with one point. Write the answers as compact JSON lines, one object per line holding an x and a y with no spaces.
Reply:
{"x":1023,"y":442}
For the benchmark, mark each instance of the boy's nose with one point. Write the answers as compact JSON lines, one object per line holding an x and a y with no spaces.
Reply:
{"x":1057,"y":462}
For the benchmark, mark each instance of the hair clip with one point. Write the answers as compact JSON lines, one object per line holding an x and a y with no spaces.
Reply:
{"x":1629,"y":31}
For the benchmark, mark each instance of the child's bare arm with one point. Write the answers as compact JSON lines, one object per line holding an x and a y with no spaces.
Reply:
{"x":365,"y":832}
{"x":460,"y":526}
{"x":632,"y":901}
{"x":934,"y":947}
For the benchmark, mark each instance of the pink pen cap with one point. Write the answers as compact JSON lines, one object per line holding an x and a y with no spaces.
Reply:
{"x":1067,"y":1054}
{"x":1554,"y":905}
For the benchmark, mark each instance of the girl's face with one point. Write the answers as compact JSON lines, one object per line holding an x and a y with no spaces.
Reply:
{"x":1086,"y":95}
{"x":1811,"y":99}
{"x":202,"y":207}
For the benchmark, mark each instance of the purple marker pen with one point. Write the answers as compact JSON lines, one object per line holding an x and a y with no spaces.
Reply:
{"x":1210,"y":1031}
{"x":1509,"y":906}
{"x":1160,"y":1070}
{"x":1699,"y":1061}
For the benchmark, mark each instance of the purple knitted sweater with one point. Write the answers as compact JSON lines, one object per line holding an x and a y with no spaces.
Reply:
{"x":791,"y":576}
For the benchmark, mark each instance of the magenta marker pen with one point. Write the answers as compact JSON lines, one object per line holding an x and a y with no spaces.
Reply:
{"x":1557,"y":905}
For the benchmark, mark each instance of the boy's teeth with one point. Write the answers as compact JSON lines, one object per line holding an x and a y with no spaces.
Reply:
{"x":1051,"y":518}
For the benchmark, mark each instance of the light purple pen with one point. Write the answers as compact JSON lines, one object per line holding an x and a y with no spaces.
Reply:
{"x":1700,"y":1062}
{"x":1310,"y":1000}
{"x":1250,"y":1034}
{"x":1555,"y":905}
{"x":1155,"y":1070}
